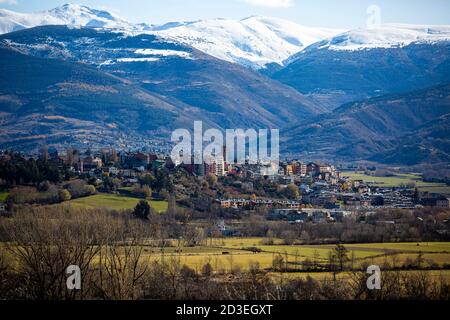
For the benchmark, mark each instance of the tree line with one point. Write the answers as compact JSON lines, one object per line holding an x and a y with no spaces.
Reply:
{"x":19,"y":170}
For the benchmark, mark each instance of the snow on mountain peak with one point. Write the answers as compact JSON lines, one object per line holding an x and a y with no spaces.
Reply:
{"x":254,"y":41}
{"x":387,"y":36}
{"x":67,"y":14}
{"x":76,"y":14}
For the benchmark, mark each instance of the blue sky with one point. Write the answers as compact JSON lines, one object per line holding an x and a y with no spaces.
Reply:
{"x":326,"y":13}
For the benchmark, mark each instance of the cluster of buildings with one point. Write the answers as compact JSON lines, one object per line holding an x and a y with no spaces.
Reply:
{"x":323,"y":186}
{"x":308,"y":215}
{"x":319,"y":185}
{"x":435,"y":200}
{"x":287,"y":173}
{"x":252,"y":204}
{"x":95,"y":163}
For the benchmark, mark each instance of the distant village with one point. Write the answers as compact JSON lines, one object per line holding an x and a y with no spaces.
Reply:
{"x":319,"y":192}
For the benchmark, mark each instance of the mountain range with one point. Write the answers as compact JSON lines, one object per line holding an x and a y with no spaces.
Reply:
{"x":68,"y":14}
{"x":366,"y":63}
{"x":253,"y":42}
{"x":161,"y":85}
{"x":408,"y":128}
{"x":74,"y":74}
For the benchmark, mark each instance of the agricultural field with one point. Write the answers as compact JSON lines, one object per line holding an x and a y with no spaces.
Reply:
{"x":115,"y":202}
{"x":314,"y":252}
{"x":226,"y":254}
{"x":443,"y":247}
{"x":221,"y":262}
{"x":398,"y":180}
{"x":230,"y":253}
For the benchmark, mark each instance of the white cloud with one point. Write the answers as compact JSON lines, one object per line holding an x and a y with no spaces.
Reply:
{"x":271,"y":3}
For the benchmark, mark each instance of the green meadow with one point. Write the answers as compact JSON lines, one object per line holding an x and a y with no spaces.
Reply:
{"x":398,"y":180}
{"x":115,"y":202}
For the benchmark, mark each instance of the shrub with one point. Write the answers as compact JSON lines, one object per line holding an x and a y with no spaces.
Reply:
{"x":28,"y":195}
{"x":43,"y":186}
{"x":143,"y":192}
{"x":278,"y":263}
{"x":267,"y":241}
{"x":207,"y":270}
{"x":142,"y":210}
{"x":64,"y":195}
{"x":212,"y":180}
{"x":77,"y":188}
{"x":89,"y":190}
{"x":292,"y":192}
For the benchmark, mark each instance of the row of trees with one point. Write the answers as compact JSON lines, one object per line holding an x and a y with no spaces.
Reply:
{"x":19,"y":170}
{"x":423,"y":224}
{"x":158,"y":181}
{"x":47,"y":193}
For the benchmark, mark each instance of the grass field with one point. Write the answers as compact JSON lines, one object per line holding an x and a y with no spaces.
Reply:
{"x":443,"y":247}
{"x":114,"y":202}
{"x":3,"y":196}
{"x":227,"y":253}
{"x":241,"y":242}
{"x":229,"y":261}
{"x":360,"y":251}
{"x":398,"y":180}
{"x":320,"y":251}
{"x":312,"y":252}
{"x":429,"y":259}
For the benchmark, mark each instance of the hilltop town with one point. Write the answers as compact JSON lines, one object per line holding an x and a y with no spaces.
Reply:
{"x":298,"y":193}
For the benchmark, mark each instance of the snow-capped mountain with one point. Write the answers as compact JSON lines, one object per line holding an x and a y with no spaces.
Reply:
{"x":254,"y":41}
{"x":387,"y":36}
{"x":366,"y":63}
{"x":68,"y":14}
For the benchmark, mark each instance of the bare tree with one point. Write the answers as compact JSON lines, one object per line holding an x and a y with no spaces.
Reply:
{"x":122,"y":267}
{"x":341,"y":254}
{"x":45,"y":244}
